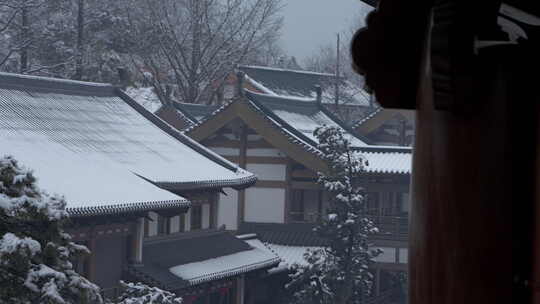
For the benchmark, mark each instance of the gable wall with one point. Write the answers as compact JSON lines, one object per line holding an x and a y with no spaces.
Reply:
{"x":263,"y":202}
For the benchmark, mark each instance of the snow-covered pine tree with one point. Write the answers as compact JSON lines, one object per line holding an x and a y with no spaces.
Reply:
{"x":338,"y":273}
{"x":35,"y":252}
{"x":138,"y":293}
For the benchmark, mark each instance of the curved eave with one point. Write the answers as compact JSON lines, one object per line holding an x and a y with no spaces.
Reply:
{"x":235,"y":271}
{"x":238,"y":184}
{"x":111,"y":209}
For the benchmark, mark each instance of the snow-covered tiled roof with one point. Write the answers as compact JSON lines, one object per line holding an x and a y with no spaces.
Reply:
{"x":300,"y":117}
{"x":146,"y":97}
{"x":290,"y":254}
{"x":388,"y":160}
{"x":367,"y":117}
{"x":301,"y":85}
{"x":297,"y":120}
{"x":195,"y":111}
{"x":100,"y":148}
{"x":225,"y":266}
{"x":197,"y":257}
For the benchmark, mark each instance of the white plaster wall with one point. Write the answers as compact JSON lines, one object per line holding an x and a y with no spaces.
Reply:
{"x":265,"y":152}
{"x":205,"y":216}
{"x":225,"y":151}
{"x":268,"y":172}
{"x":388,"y":255}
{"x":265,"y":205}
{"x":405,"y":202}
{"x":175,"y":224}
{"x":152,"y":225}
{"x":404,"y":255}
{"x":228,"y":209}
{"x":187,"y":226}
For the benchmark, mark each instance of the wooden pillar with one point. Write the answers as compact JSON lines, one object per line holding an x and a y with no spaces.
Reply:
{"x":92,"y":258}
{"x":288,"y":191}
{"x":137,"y":238}
{"x":240,"y":289}
{"x":473,"y":193}
{"x":214,"y":211}
{"x":243,"y":164}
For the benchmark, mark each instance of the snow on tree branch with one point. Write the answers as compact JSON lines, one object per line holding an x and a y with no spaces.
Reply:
{"x":338,"y":273}
{"x":138,"y":293}
{"x":35,"y":252}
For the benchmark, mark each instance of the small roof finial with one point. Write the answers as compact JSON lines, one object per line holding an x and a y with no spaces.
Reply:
{"x":240,"y":76}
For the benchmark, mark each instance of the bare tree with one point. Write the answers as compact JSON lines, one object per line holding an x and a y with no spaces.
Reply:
{"x":195,"y":44}
{"x":324,"y":59}
{"x":16,"y":33}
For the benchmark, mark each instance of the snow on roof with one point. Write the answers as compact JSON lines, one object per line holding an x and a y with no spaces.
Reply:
{"x":225,"y":266}
{"x":290,"y":254}
{"x":303,"y":117}
{"x":90,"y":186}
{"x":294,"y":83}
{"x":388,"y":162}
{"x":368,"y":117}
{"x":195,"y":111}
{"x":98,"y":137}
{"x":300,"y":117}
{"x":146,"y":97}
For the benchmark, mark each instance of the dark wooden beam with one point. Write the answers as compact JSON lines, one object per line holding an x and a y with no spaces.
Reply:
{"x":271,"y":184}
{"x":288,"y":191}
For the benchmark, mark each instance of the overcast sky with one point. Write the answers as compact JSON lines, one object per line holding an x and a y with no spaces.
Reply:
{"x":312,"y":23}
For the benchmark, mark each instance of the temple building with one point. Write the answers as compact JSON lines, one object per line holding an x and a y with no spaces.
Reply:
{"x":143,"y":197}
{"x":272,"y":136}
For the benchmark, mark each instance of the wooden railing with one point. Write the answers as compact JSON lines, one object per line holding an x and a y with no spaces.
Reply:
{"x":392,"y":227}
{"x":303,"y":217}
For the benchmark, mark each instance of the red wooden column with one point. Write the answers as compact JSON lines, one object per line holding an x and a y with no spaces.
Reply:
{"x":473,"y":193}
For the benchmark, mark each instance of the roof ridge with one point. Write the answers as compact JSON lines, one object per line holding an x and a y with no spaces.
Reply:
{"x":291,"y":99}
{"x":193,"y":104}
{"x":369,"y":116}
{"x":49,"y":84}
{"x":275,"y":69}
{"x":283,"y":123}
{"x":52,"y":79}
{"x":343,"y":125}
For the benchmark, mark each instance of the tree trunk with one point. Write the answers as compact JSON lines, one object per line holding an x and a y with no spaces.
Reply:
{"x":80,"y":41}
{"x":193,"y":82}
{"x":25,"y":39}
